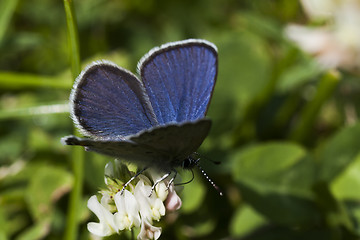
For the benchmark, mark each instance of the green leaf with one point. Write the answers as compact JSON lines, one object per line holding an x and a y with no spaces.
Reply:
{"x":16,"y":220}
{"x":333,"y":210}
{"x":36,"y":231}
{"x":3,"y":235}
{"x":276,"y":179}
{"x":342,"y":189}
{"x":46,"y":186}
{"x":244,"y":69}
{"x":3,"y":222}
{"x":260,"y":24}
{"x":338,"y":153}
{"x":198,"y":229}
{"x":245,"y":221}
{"x":299,"y":74}
{"x":11,"y":145}
{"x":344,"y":184}
{"x":354,"y":211}
{"x":193,"y":193}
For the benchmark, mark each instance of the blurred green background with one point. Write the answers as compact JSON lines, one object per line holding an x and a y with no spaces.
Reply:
{"x":286,"y":132}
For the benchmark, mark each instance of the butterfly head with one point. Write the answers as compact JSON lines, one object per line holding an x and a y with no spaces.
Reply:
{"x":190,"y":162}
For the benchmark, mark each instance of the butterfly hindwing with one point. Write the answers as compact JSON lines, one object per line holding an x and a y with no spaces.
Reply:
{"x":162,"y":147}
{"x":123,"y":149}
{"x":178,"y":140}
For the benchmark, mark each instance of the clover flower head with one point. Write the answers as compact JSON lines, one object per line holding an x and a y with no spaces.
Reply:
{"x":138,"y":206}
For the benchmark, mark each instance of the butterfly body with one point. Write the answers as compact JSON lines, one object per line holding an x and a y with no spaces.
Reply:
{"x":156,"y":121}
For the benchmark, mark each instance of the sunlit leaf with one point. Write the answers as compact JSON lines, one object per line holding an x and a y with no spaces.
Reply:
{"x":276,"y":179}
{"x":245,"y":221}
{"x":338,"y":153}
{"x":46,"y":186}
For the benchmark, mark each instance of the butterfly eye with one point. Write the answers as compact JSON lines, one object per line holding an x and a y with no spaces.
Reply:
{"x":189,"y":163}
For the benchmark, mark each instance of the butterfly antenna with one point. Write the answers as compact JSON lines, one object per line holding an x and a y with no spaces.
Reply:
{"x":206,"y":158}
{"x":209,"y":179}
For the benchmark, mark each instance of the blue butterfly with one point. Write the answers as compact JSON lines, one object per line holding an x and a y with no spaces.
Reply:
{"x":155,"y":121}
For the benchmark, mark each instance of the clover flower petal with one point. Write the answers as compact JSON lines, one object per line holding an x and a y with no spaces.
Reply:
{"x":106,"y":225}
{"x":148,"y":231}
{"x":173,"y":201}
{"x":127,"y":214}
{"x":151,"y":207}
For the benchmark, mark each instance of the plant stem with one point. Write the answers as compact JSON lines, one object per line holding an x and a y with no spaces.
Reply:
{"x":73,"y":38}
{"x":13,"y":113}
{"x":308,"y":116}
{"x":77,"y":156}
{"x":7,"y":9}
{"x":16,"y":81}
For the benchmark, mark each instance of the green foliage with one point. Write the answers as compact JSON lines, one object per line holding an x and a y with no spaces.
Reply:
{"x":276,"y":179}
{"x":192,"y":196}
{"x":285,"y":131}
{"x":246,"y":220}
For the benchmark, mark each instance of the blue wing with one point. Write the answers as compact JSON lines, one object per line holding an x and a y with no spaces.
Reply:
{"x":179,"y":79}
{"x":110,"y":102}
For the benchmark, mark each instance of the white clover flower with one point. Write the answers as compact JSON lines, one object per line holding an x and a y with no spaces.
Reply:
{"x":173,"y":201}
{"x":106,"y":226}
{"x":127,"y":215}
{"x":148,"y":231}
{"x":319,"y":9}
{"x":151,"y":207}
{"x":321,"y":43}
{"x":161,"y":189}
{"x":137,"y":206}
{"x":337,"y":43}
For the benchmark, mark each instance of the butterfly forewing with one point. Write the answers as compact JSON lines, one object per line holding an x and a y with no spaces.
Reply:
{"x":109,"y":102}
{"x":179,"y":79}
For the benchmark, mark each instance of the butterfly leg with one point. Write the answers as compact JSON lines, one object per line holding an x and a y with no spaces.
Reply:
{"x":131,"y":179}
{"x":172,"y":179}
{"x":158,"y":181}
